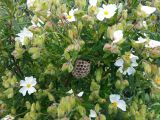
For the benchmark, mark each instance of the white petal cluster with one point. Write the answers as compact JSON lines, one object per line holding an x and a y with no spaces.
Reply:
{"x":148,"y":10}
{"x":25,"y":33}
{"x":148,"y":42}
{"x":8,"y":117}
{"x":106,"y":11}
{"x":70,"y":17}
{"x":117,"y":36}
{"x":28,"y":85}
{"x":93,"y":2}
{"x":130,"y":70}
{"x":117,"y":102}
{"x":153,"y":44}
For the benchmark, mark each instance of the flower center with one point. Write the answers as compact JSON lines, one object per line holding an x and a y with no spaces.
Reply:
{"x":69,"y":17}
{"x":28,"y":85}
{"x":114,"y":104}
{"x":106,"y":12}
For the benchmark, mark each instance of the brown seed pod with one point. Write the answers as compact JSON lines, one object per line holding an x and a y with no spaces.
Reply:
{"x":81,"y":69}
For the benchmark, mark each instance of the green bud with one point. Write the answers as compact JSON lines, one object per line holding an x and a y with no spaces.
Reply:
{"x":81,"y":3}
{"x":50,"y":69}
{"x":94,"y":86}
{"x":97,"y":108}
{"x":38,"y":107}
{"x":33,"y":115}
{"x":51,"y":97}
{"x":99,"y":72}
{"x":13,"y":81}
{"x":118,"y":84}
{"x":33,"y":107}
{"x":13,"y":111}
{"x":61,"y":113}
{"x":52,"y":110}
{"x":35,"y":51}
{"x":81,"y":110}
{"x":9,"y":92}
{"x":28,"y":105}
{"x":18,"y":53}
{"x":101,"y":117}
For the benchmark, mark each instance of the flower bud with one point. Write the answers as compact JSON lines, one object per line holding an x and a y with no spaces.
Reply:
{"x":51,"y":97}
{"x":80,"y":3}
{"x":33,"y":107}
{"x":9,"y":92}
{"x":81,"y":110}
{"x":38,"y":107}
{"x":147,"y":67}
{"x":52,"y":110}
{"x":28,"y":105}
{"x":101,"y":117}
{"x":98,"y":73}
{"x":48,"y":26}
{"x":94,"y":86}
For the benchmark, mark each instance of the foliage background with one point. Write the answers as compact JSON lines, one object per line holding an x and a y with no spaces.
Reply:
{"x":45,"y":58}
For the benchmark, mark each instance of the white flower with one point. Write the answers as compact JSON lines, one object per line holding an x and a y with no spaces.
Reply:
{"x":92,"y":114}
{"x":153,"y":44}
{"x":117,"y":36}
{"x":141,"y":40}
{"x":130,"y":70}
{"x":93,"y":2}
{"x":107,"y":11}
{"x":8,"y":117}
{"x":28,"y":85}
{"x":80,"y":94}
{"x":70,"y":91}
{"x":30,"y":3}
{"x":115,"y":100}
{"x":25,"y":33}
{"x":148,"y":10}
{"x":70,"y":17}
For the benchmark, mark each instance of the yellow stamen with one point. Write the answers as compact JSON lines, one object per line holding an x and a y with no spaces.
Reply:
{"x":28,"y":85}
{"x":106,"y":12}
{"x":69,"y":17}
{"x":114,"y":104}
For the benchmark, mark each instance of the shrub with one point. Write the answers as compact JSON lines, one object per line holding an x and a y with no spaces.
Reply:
{"x":79,"y":59}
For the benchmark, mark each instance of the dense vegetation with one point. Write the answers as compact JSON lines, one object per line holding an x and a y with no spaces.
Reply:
{"x":80,"y":59}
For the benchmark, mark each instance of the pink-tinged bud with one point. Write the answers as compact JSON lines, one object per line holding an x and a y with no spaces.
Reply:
{"x":110,"y":48}
{"x":48,"y":26}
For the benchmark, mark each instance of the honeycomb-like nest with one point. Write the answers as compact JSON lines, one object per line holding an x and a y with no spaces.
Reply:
{"x":81,"y":69}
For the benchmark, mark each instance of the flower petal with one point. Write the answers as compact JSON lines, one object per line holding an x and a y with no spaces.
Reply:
{"x":100,"y":15}
{"x":93,"y":2}
{"x":119,"y":62}
{"x":92,"y":114}
{"x":80,"y":94}
{"x":130,"y":70}
{"x":23,"y":83}
{"x":23,"y":90}
{"x":114,"y":97}
{"x":31,"y":90}
{"x":31,"y":80}
{"x":122,"y":105}
{"x":117,"y":35}
{"x":148,"y":10}
{"x":70,"y":91}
